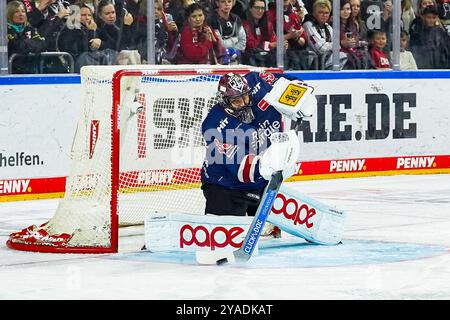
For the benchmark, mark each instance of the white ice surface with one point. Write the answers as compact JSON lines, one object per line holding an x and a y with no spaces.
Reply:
{"x":389,"y":210}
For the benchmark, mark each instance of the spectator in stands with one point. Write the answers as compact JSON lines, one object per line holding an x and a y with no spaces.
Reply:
{"x":297,"y":56}
{"x":93,"y":4}
{"x":358,"y":20}
{"x":88,"y":25}
{"x":349,"y":38}
{"x":228,"y":26}
{"x":122,"y":14}
{"x":377,"y":46}
{"x":240,"y":8}
{"x":408,"y":14}
{"x":93,"y":56}
{"x":260,"y":48}
{"x":416,"y":28}
{"x":271,"y":12}
{"x":296,"y":6}
{"x":177,"y":8}
{"x":199,"y":44}
{"x":23,"y":39}
{"x":299,"y":7}
{"x":137,"y":8}
{"x":166,"y":31}
{"x":109,"y":32}
{"x":161,"y":34}
{"x":138,"y":28}
{"x":72,"y":38}
{"x":431,"y":48}
{"x":444,"y":13}
{"x":113,"y":39}
{"x":173,"y":34}
{"x":209,"y":6}
{"x":407,"y":61}
{"x":422,"y":4}
{"x":377,"y":15}
{"x":87,"y":19}
{"x":406,"y":18}
{"x":387,"y":22}
{"x":308,"y":6}
{"x":48,"y":16}
{"x":320,"y":34}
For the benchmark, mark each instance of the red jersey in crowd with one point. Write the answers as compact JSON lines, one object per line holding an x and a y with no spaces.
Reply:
{"x":196,"y":48}
{"x":256,"y":37}
{"x":380,"y":60}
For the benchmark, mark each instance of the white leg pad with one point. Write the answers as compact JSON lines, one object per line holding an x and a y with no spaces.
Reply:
{"x":299,"y":215}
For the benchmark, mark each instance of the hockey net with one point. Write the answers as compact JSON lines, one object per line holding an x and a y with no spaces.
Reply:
{"x":137,"y":149}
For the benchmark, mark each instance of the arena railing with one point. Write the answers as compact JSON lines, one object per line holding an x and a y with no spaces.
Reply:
{"x":65,"y":58}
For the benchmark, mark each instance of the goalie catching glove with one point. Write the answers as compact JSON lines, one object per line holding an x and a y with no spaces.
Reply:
{"x":292,"y":98}
{"x":282,"y":155}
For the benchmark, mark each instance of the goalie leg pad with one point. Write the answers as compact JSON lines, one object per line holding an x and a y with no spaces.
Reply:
{"x":299,"y":215}
{"x":182,"y":232}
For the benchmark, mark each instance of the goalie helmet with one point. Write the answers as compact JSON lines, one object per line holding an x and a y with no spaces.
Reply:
{"x":233,"y":86}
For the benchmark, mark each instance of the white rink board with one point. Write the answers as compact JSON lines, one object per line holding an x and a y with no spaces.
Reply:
{"x":429,"y":115}
{"x":40,"y":121}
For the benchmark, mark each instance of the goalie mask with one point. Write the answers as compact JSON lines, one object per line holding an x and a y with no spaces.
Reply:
{"x":235,"y":96}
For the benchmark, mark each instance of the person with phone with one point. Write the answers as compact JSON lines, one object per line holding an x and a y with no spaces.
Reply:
{"x":358,"y":20}
{"x":199,"y":44}
{"x":166,"y":35}
{"x":48,"y":17}
{"x":349,"y":38}
{"x":297,"y":55}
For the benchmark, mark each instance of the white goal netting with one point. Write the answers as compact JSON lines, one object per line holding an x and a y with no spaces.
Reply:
{"x":156,"y":114}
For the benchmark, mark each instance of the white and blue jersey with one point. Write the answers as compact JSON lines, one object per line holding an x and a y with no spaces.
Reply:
{"x":233,"y":147}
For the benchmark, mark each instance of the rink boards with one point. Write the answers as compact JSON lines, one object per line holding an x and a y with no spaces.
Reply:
{"x":367,"y":123}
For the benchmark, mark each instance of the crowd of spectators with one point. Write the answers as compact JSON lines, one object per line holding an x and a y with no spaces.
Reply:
{"x":109,"y":32}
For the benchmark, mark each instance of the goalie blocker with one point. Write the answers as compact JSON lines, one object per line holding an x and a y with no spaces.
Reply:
{"x":291,"y":98}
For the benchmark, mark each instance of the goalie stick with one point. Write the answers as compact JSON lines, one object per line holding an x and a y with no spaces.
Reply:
{"x":251,"y":239}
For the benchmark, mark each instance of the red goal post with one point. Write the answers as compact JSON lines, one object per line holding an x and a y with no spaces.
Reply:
{"x":137,"y":149}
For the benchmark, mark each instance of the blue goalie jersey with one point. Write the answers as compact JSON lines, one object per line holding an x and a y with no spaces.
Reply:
{"x":233,"y":147}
